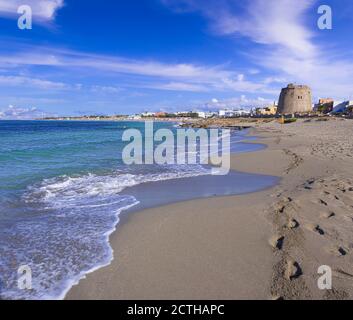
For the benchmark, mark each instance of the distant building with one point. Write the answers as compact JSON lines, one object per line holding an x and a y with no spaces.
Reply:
{"x":135,"y":117}
{"x":223,"y":113}
{"x":325,"y":105}
{"x":160,"y":114}
{"x":182,"y":113}
{"x":295,"y":99}
{"x":325,"y":101}
{"x":267,"y":111}
{"x":204,"y":114}
{"x":242,"y":113}
{"x":227,"y":113}
{"x":201,"y":114}
{"x":147,"y":114}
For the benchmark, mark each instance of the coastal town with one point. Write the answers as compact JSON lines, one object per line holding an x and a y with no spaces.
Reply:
{"x":294,"y":101}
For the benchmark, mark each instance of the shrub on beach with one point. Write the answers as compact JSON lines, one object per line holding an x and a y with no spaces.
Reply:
{"x":287,"y":120}
{"x":290,"y":120}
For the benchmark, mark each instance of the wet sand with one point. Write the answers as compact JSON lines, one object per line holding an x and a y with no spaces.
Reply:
{"x":264,"y":245}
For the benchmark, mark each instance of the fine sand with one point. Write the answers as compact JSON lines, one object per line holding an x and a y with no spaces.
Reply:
{"x":264,"y":245}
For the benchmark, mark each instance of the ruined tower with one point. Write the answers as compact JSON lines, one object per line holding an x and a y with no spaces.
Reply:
{"x":295,"y":99}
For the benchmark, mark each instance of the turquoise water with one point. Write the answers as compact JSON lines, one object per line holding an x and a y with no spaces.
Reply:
{"x":62,"y":187}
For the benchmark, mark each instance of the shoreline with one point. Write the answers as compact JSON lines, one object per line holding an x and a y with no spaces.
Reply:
{"x":161,"y":192}
{"x":127,"y":216}
{"x":264,"y":245}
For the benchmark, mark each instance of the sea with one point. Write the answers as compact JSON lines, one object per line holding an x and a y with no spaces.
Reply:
{"x":63,"y":187}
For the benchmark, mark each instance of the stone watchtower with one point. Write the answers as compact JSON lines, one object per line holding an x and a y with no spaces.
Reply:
{"x":295,"y":99}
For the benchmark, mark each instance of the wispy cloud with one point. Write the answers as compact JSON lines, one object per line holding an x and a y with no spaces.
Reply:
{"x":237,"y":102}
{"x":241,"y":84}
{"x":158,"y":75}
{"x":43,"y":10}
{"x":18,"y":113}
{"x":37,"y":56}
{"x":106,"y":89}
{"x":20,"y":81}
{"x":263,"y":21}
{"x":286,"y":44}
{"x":177,"y":86}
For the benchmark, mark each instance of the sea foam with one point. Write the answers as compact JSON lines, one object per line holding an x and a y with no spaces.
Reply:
{"x":66,"y":234}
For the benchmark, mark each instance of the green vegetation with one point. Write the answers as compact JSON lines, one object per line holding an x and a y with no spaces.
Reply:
{"x":290,"y":120}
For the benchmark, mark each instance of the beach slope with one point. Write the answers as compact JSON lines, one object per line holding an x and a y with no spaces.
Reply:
{"x":264,"y":245}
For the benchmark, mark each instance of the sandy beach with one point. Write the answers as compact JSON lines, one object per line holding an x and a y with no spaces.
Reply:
{"x":264,"y":245}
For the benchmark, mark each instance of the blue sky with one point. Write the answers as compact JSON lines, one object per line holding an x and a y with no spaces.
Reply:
{"x":128,"y":56}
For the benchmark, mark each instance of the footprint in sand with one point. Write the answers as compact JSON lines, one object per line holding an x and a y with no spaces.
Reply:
{"x":293,"y":270}
{"x":342,"y":251}
{"x":282,"y":205}
{"x":277,"y":242}
{"x":281,"y":209}
{"x":331,"y":196}
{"x":293,"y":224}
{"x":338,"y":251}
{"x":323,"y":202}
{"x":327,"y":215}
{"x":319,"y":230}
{"x":309,"y":184}
{"x":315,"y":228}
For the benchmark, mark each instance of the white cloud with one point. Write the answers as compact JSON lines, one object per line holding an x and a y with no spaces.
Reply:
{"x":264,"y":21}
{"x":274,"y":22}
{"x":106,"y":89}
{"x":41,"y":9}
{"x":18,"y":113}
{"x":254,"y":71}
{"x":145,"y":74}
{"x":241,"y":85}
{"x":177,"y":86}
{"x":31,"y":82}
{"x":235,"y":103}
{"x":289,"y":47}
{"x":36,"y":56}
{"x":241,"y":77}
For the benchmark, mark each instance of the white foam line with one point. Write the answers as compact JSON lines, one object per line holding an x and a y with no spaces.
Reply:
{"x":83,"y":274}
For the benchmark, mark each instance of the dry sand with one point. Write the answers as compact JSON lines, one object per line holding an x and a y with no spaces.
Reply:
{"x":265,"y":245}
